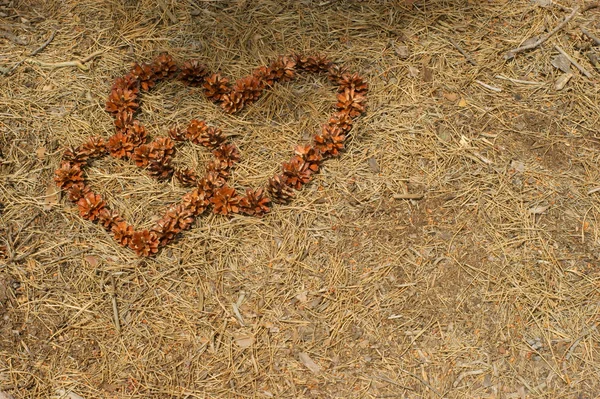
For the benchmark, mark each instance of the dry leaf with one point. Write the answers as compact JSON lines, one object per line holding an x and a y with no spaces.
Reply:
{"x":302,"y":296}
{"x":373,"y":165}
{"x":539,"y":209}
{"x":402,"y":51}
{"x":413,"y":72}
{"x":92,"y":260}
{"x":244,"y":340}
{"x":5,"y":395}
{"x":40,"y":152}
{"x":462,"y":103}
{"x":451,"y":96}
{"x":52,"y":196}
{"x":309,"y":363}
{"x":518,"y":166}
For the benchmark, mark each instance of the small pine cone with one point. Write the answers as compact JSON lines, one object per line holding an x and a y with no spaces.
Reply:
{"x":121,"y":100}
{"x":108,"y":219}
{"x":225,"y":201}
{"x":164,"y":231}
{"x":311,"y":156}
{"x":264,"y":74}
{"x":120,"y":146}
{"x":283,"y":69}
{"x":159,"y":170}
{"x":251,"y":88}
{"x":215,"y":86}
{"x":127,"y":82}
{"x":75,"y":156}
{"x":68,"y":174}
{"x":330,"y":142}
{"x":313,"y":63}
{"x":195,"y":131}
{"x":218,"y":167}
{"x":141,"y":156}
{"x":136,"y":133}
{"x":161,"y":148}
{"x":233,"y":102}
{"x":186,"y":177}
{"x":279,"y":190}
{"x":181,"y":217}
{"x":122,"y":232}
{"x":227,"y":154}
{"x":144,"y":243}
{"x":77,"y":191}
{"x":123,"y":120}
{"x":193,"y":73}
{"x":144,"y":74}
{"x":90,"y":206}
{"x":354,"y":81}
{"x":164,"y":66}
{"x":351,"y":102}
{"x":296,"y":172}
{"x":177,"y":134}
{"x":196,"y":201}
{"x":212,"y":137}
{"x":342,"y":120}
{"x":336,"y":72}
{"x":255,"y":203}
{"x":210,"y":182}
{"x":94,"y":147}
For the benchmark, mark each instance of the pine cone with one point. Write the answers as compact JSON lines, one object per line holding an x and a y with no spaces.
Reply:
{"x":233,"y":102}
{"x":265,"y":75}
{"x":311,"y":156}
{"x":123,"y":120}
{"x":68,"y":174}
{"x":164,"y":66}
{"x":313,"y":63}
{"x":77,"y":191}
{"x":212,"y":137}
{"x":330,"y":142}
{"x":215,"y":86}
{"x":255,"y":203}
{"x":177,"y":134}
{"x":94,"y":147}
{"x":354,"y":81}
{"x":336,"y":72}
{"x":122,"y":233}
{"x":144,"y":74}
{"x":180,"y":216}
{"x":279,"y":190}
{"x":144,"y":243}
{"x":283,"y":69}
{"x":141,"y":156}
{"x":219,"y":168}
{"x":351,"y":102}
{"x":121,"y":100}
{"x":210,"y":182}
{"x":195,"y":131}
{"x":90,"y":206}
{"x":164,"y":231}
{"x":120,"y":146}
{"x":127,"y":82}
{"x":225,"y":201}
{"x":136,"y":133}
{"x":193,"y":73}
{"x":296,"y":172}
{"x":196,"y":201}
{"x":75,"y":156}
{"x":160,"y":170}
{"x":186,"y":177}
{"x":342,"y":120}
{"x":227,"y":154}
{"x":108,"y":219}
{"x":250,"y":87}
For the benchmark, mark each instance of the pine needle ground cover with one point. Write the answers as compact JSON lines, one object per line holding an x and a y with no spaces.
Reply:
{"x":450,"y":250}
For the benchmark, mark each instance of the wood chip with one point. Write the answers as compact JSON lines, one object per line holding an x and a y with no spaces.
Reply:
{"x":562,"y":81}
{"x":244,"y":341}
{"x":373,"y":165}
{"x":562,"y":62}
{"x":309,"y":363}
{"x":52,"y":196}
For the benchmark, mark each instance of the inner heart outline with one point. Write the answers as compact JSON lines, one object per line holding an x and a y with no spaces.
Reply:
{"x":131,"y":142}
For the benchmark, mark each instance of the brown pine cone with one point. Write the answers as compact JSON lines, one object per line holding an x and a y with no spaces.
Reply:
{"x":94,"y":147}
{"x":279,"y":190}
{"x":296,"y":172}
{"x":283,"y":69}
{"x":250,"y":87}
{"x":177,"y":134}
{"x":77,"y":191}
{"x":193,"y":73}
{"x":212,"y":137}
{"x":210,"y":182}
{"x":127,"y":82}
{"x":136,"y":133}
{"x":145,"y":76}
{"x":187,"y":177}
{"x":227,"y":154}
{"x":311,"y":156}
{"x":164,"y":66}
{"x":353,"y":81}
{"x":164,"y":231}
{"x":225,"y":201}
{"x":336,"y":72}
{"x":181,"y":217}
{"x":341,"y":120}
{"x":196,"y":201}
{"x":120,"y":146}
{"x":330,"y":142}
{"x":351,"y":102}
{"x":90,"y":206}
{"x":144,"y":243}
{"x":141,"y":156}
{"x":195,"y":131}
{"x":121,"y":100}
{"x":108,"y":218}
{"x":122,"y":232}
{"x":265,"y":75}
{"x":233,"y":102}
{"x":75,"y":156}
{"x":255,"y":203}
{"x":68,"y":174}
{"x":312,"y":63}
{"x":123,"y":120}
{"x":215,"y":86}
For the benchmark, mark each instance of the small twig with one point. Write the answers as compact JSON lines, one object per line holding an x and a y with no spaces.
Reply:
{"x":463,"y":52}
{"x":591,"y":6}
{"x":12,"y":37}
{"x":408,"y":196}
{"x":511,"y":53}
{"x":572,"y":60}
{"x":525,"y":82}
{"x":165,"y":8}
{"x":593,"y":190}
{"x":76,"y":63}
{"x":422,"y":381}
{"x":588,"y":34}
{"x":487,"y":86}
{"x":43,"y":46}
{"x":113,"y":298}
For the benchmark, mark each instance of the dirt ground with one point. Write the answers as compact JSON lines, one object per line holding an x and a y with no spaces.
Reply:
{"x":452,"y":251}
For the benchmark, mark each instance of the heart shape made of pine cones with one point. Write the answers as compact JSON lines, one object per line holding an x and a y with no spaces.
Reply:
{"x":130,"y":142}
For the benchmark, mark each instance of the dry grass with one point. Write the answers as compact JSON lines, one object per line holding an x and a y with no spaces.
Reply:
{"x":465,"y":293}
